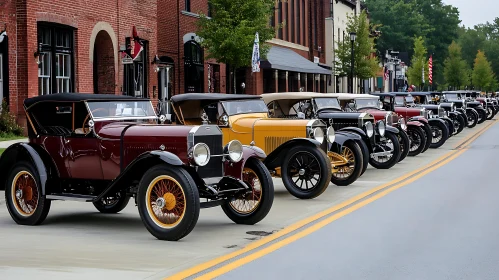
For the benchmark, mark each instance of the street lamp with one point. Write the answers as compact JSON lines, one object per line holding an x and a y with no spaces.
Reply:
{"x":353,"y":36}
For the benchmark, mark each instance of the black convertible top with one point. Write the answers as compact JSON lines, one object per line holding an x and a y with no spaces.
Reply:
{"x":179,"y":98}
{"x":76,"y":97}
{"x":383,"y":93}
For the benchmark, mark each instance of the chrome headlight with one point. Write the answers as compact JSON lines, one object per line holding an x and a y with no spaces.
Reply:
{"x":381,"y":128}
{"x":453,"y":107}
{"x":201,"y":154}
{"x":318,"y":134}
{"x":331,"y":135}
{"x":369,"y":129}
{"x":234,"y":150}
{"x":402,"y":123}
{"x":429,"y":114}
{"x":422,"y":112}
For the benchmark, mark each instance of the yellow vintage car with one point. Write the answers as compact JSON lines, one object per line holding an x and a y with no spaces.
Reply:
{"x":296,"y":148}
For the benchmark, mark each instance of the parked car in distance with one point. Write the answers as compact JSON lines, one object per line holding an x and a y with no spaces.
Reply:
{"x":347,"y":156}
{"x":296,"y":148}
{"x":106,"y":149}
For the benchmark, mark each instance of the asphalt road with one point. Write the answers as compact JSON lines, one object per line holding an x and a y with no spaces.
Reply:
{"x":77,"y":242}
{"x":441,"y":226}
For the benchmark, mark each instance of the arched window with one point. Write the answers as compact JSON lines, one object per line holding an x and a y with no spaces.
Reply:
{"x":194,"y":68}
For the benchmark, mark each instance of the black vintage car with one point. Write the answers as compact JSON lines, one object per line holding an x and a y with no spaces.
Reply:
{"x":480,"y":107}
{"x":351,"y":141}
{"x":475,"y":113}
{"x":458,"y":117}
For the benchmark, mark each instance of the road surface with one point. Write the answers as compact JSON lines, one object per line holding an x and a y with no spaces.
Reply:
{"x":441,"y":226}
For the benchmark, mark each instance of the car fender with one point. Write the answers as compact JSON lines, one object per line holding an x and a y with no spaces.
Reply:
{"x":135,"y":169}
{"x":450,"y":124}
{"x":235,"y":169}
{"x":274,"y":159}
{"x":434,"y":121}
{"x":454,"y":114}
{"x":25,"y":151}
{"x":415,"y":123}
{"x":419,"y":119}
{"x":392,"y":129}
{"x":471,"y":110}
{"x":340,"y":140}
{"x":356,"y":130}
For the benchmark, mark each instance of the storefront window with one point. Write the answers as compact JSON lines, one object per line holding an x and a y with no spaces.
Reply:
{"x":55,"y":72}
{"x":193,"y":67}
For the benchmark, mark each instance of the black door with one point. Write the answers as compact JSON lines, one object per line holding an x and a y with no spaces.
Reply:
{"x":193,"y":67}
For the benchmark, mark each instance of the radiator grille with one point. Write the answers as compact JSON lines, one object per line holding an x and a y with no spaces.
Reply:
{"x":343,"y":124}
{"x":214,"y":168}
{"x":271,"y":143}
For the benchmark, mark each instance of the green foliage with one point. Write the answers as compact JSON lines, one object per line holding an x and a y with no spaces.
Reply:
{"x":404,"y":20}
{"x":483,"y":77}
{"x":8,"y":125}
{"x":365,"y":64}
{"x":229,"y":34}
{"x":1,"y":150}
{"x":456,"y":71}
{"x":418,"y":61}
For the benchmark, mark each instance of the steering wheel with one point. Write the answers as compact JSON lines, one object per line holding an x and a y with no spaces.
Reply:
{"x":88,"y":116}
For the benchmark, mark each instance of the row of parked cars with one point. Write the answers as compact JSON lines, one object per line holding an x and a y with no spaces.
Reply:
{"x":217,"y":149}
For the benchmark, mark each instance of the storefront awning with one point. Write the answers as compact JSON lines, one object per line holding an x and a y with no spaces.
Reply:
{"x":287,"y":60}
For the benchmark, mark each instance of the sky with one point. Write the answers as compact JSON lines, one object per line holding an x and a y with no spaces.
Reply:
{"x":473,"y":12}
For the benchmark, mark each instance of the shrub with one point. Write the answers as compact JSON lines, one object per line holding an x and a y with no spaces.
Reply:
{"x":8,"y":124}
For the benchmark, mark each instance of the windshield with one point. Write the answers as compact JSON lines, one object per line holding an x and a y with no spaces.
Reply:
{"x":367,"y":103}
{"x":122,"y":110}
{"x":451,"y":96}
{"x":245,"y":107}
{"x":399,"y":100}
{"x":409,"y":99}
{"x":323,"y":103}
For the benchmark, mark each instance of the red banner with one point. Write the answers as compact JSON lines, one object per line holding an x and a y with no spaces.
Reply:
{"x":430,"y":69}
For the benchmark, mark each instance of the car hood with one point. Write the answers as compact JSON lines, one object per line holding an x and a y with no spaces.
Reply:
{"x":139,"y":132}
{"x":249,"y":123}
{"x":408,"y":111}
{"x":338,"y":115}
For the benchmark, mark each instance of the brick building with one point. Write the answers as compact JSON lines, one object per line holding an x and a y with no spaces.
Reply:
{"x":60,"y":46}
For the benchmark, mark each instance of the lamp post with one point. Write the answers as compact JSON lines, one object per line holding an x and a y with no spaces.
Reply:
{"x":353,"y":36}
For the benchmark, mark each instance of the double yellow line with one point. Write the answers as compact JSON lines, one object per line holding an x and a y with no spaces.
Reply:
{"x":350,"y":205}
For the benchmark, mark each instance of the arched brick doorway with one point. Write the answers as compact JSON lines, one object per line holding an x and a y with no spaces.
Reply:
{"x":104,"y":69}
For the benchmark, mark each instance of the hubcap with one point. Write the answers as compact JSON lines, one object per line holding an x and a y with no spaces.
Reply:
{"x":19,"y":194}
{"x":301,"y":172}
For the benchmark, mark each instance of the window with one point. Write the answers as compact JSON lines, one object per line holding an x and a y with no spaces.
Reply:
{"x":316,"y":42}
{"x":55,"y":72}
{"x":209,"y":9}
{"x":188,"y":5}
{"x":303,"y":22}
{"x":298,"y":22}
{"x":193,"y":67}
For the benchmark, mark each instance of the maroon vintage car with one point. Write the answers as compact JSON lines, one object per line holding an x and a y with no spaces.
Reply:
{"x":105,"y":149}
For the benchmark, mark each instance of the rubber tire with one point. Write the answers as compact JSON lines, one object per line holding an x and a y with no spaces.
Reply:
{"x":43,"y":206}
{"x":358,"y":166}
{"x":450,"y":127}
{"x":266,"y":202}
{"x":325,"y":177}
{"x":445,"y":135}
{"x":191,"y":215}
{"x":462,"y":123}
{"x":420,"y":132}
{"x":490,"y":113}
{"x":113,"y":209}
{"x":396,"y":154}
{"x":473,"y":115}
{"x":404,"y":146}
{"x":482,"y":116}
{"x":429,"y":136}
{"x":366,"y":154}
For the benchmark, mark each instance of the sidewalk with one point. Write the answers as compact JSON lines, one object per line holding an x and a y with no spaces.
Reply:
{"x":6,"y":144}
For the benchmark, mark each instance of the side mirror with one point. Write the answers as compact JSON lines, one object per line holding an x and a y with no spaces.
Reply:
{"x":301,"y":115}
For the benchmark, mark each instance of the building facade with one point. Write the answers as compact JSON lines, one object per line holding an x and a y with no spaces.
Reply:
{"x":59,"y":46}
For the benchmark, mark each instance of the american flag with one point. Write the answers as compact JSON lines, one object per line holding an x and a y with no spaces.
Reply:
{"x":430,"y":70}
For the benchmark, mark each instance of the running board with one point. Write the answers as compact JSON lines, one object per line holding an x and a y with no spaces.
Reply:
{"x":72,"y":197}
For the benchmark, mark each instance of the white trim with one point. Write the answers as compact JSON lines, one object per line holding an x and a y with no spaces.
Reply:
{"x":283,"y":43}
{"x":103,"y":26}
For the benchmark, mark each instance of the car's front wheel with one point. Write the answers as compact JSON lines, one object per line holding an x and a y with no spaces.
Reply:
{"x":460,"y":122}
{"x":490,"y":113}
{"x":440,"y":133}
{"x":168,"y":202}
{"x":404,"y":144}
{"x":472,"y":119}
{"x":482,"y":115}
{"x":306,"y":171}
{"x":112,"y":204}
{"x":366,"y":154}
{"x":418,"y":140}
{"x":391,"y":145}
{"x":348,"y":173}
{"x":23,"y":194}
{"x":252,"y":206}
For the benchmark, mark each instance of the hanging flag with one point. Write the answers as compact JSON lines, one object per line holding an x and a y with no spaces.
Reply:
{"x":255,"y":59}
{"x":136,"y":46}
{"x":430,"y":70}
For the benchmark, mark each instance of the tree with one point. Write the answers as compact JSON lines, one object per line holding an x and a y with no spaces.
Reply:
{"x":483,"y":77}
{"x":365,"y":63}
{"x":456,"y":72}
{"x":229,"y":34}
{"x":418,"y":62}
